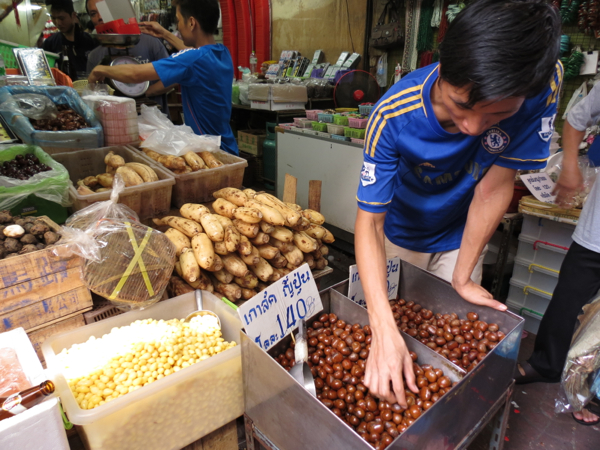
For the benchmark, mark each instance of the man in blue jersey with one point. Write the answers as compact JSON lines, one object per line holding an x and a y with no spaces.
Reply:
{"x":442,"y":148}
{"x":203,"y":68}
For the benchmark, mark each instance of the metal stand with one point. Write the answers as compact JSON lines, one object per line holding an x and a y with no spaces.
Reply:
{"x":497,"y":417}
{"x":508,"y":224}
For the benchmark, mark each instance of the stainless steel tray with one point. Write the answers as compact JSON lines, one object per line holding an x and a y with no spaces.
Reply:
{"x":293,"y":419}
{"x":118,"y":40}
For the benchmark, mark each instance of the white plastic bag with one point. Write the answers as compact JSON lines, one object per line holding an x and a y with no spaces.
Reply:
{"x":578,"y":95}
{"x":382,"y":70}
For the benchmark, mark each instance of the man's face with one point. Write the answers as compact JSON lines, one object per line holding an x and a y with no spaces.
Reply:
{"x":478,"y":118}
{"x":183,"y":25}
{"x":63,"y":20}
{"x":95,"y":16}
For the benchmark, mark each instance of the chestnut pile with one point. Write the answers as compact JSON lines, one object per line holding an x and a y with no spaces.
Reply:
{"x":21,"y":235}
{"x":464,"y":342}
{"x":23,"y":167}
{"x":66,"y":120}
{"x":338,"y":354}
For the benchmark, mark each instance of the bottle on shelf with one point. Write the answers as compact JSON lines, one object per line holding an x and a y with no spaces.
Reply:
{"x":66,"y":66}
{"x":253,"y":61}
{"x":22,"y":401}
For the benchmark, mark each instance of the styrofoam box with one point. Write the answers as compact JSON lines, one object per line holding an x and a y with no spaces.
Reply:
{"x":543,"y":254}
{"x":525,"y":296}
{"x":547,"y":230}
{"x":535,"y":275}
{"x":40,"y":427}
{"x":532,"y":319}
{"x":171,"y":412}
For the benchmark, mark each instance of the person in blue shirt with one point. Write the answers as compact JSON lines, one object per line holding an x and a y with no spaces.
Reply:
{"x":442,"y":148}
{"x":203,"y":68}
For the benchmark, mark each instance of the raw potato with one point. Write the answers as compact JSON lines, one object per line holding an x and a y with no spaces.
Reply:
{"x":178,"y":268}
{"x":189,"y":266}
{"x":302,"y":225}
{"x":245,"y":246}
{"x":203,"y":250}
{"x":261,"y":238}
{"x":235,"y":265}
{"x":324,"y":250}
{"x":321,"y":263}
{"x":252,"y":258}
{"x":84,"y":190}
{"x":266,"y":227}
{"x":232,"y":238}
{"x":216,"y":265}
{"x":281,"y":246}
{"x":283,"y":234}
{"x":27,"y":249}
{"x":90,"y":181}
{"x":223,"y":276}
{"x":212,"y":227}
{"x":103,"y":190}
{"x":183,"y":171}
{"x":211,"y":160}
{"x":111,"y":170}
{"x":194,"y":161}
{"x":224,"y":207}
{"x":106,"y":180}
{"x":270,"y":215}
{"x":221,"y":248}
{"x":39,"y":228}
{"x":203,"y":282}
{"x":294,"y":257}
{"x":145,"y":172}
{"x":250,"y":215}
{"x":180,"y":240}
{"x":114,"y":161}
{"x":249,"y":230}
{"x":262,"y":270}
{"x":14,"y":231}
{"x":291,"y":217}
{"x":317,"y":254}
{"x":261,"y":286}
{"x":233,"y":195}
{"x":224,"y":221}
{"x":247,"y":294}
{"x":277,"y":275}
{"x":310,"y":260}
{"x":188,"y":227}
{"x":249,"y":281}
{"x":304,"y":242}
{"x":268,"y":251}
{"x":130,"y":176}
{"x":291,"y":267}
{"x":328,"y":237}
{"x":250,"y":193}
{"x":170,"y":162}
{"x":193,"y":211}
{"x":315,"y":217}
{"x":5,"y":216}
{"x":232,"y":291}
{"x":293,"y":206}
{"x":316,"y":231}
{"x":29,"y":239}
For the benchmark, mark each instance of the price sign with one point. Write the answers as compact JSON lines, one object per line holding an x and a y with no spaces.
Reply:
{"x":540,"y":185}
{"x":269,"y":316}
{"x":355,"y":290}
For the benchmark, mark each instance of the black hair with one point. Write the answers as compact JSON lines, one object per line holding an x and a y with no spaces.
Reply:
{"x":206,"y":12}
{"x":61,"y":5}
{"x":501,"y":49}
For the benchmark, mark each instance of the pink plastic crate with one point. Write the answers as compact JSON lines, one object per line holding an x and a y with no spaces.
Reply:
{"x":357,"y":123}
{"x":358,"y":141}
{"x":313,"y":114}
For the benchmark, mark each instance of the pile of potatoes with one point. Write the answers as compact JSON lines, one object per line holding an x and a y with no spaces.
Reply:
{"x":21,"y":235}
{"x":188,"y":163}
{"x":252,"y":240}
{"x":133,"y":174}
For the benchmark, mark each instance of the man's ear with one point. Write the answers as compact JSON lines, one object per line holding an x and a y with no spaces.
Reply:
{"x":193,"y":23}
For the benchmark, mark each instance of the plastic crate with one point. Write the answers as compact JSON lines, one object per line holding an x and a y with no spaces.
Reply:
{"x":530,"y":297}
{"x":338,"y":119}
{"x":340,"y":138}
{"x":535,"y":275}
{"x":313,"y":114}
{"x":325,"y":117}
{"x":103,"y":312}
{"x":365,"y":110}
{"x":356,"y":122}
{"x":148,"y":200}
{"x":357,"y":141}
{"x":539,"y":252}
{"x":356,"y":133}
{"x":301,"y":121}
{"x":335,"y":129}
{"x":318,"y":126}
{"x":309,"y":131}
{"x":532,"y":318}
{"x":9,"y":57}
{"x":547,"y":230}
{"x":323,"y":134}
{"x":305,"y":124}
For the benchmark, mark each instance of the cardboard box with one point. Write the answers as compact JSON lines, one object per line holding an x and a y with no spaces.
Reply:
{"x":259,"y":92}
{"x":272,"y":106}
{"x":251,"y":141}
{"x":289,"y":93}
{"x":40,"y":427}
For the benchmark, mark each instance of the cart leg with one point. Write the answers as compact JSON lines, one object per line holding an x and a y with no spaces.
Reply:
{"x":500,"y":423}
{"x":250,"y":445}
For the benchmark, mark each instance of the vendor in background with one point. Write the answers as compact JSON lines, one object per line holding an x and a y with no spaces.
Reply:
{"x":579,"y":277}
{"x":442,"y":148}
{"x":203,"y":68}
{"x":71,"y":38}
{"x":148,"y":50}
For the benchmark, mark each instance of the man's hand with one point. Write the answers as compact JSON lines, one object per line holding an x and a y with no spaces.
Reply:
{"x":388,"y":360}
{"x":569,"y":184}
{"x":153,"y":29}
{"x":473,"y":293}
{"x":95,"y":76}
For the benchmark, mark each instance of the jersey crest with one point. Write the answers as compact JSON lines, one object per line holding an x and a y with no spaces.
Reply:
{"x":367,"y":174}
{"x":495,"y":140}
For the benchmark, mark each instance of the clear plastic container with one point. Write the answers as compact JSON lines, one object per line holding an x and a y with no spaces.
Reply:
{"x":536,"y":275}
{"x":536,"y":251}
{"x":335,"y":129}
{"x":529,"y":297}
{"x":169,"y":413}
{"x":547,"y":230}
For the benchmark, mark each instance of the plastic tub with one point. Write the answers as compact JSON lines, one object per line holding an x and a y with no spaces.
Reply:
{"x":318,"y":126}
{"x":535,"y":275}
{"x":309,"y":131}
{"x":532,"y":318}
{"x":544,"y":253}
{"x":148,"y":200}
{"x":355,"y":133}
{"x":339,"y":119}
{"x":357,"y":141}
{"x":547,"y":230}
{"x":323,"y":134}
{"x":325,"y":117}
{"x":365,"y":110}
{"x":355,"y":122}
{"x":335,"y":129}
{"x":527,"y":296}
{"x":169,"y":413}
{"x":313,"y":114}
{"x":340,"y":138}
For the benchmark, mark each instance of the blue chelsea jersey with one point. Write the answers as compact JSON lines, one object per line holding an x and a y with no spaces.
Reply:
{"x":424,"y":177}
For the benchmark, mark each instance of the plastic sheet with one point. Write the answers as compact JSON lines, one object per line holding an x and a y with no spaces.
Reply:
{"x":52,"y":185}
{"x":33,"y":106}
{"x":583,"y":362}
{"x":162,"y":136}
{"x":91,"y":137}
{"x":128,"y":263}
{"x":318,"y":88}
{"x":588,"y":171}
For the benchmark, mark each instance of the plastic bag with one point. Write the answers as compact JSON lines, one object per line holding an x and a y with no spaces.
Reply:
{"x":162,"y":136}
{"x":583,"y":361}
{"x":577,"y":96}
{"x":588,"y":172}
{"x":12,"y":377}
{"x":52,"y":185}
{"x":244,"y":93}
{"x":318,"y":88}
{"x":33,"y":106}
{"x":127,"y":262}
{"x":91,"y":137}
{"x":382,"y":64}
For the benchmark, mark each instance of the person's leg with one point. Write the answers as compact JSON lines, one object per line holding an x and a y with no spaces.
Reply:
{"x":578,"y":282}
{"x":415,"y":258}
{"x":442,"y":265}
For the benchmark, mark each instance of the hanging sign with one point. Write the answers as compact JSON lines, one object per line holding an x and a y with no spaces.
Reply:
{"x":540,"y":185}
{"x":355,"y":289}
{"x":273,"y":313}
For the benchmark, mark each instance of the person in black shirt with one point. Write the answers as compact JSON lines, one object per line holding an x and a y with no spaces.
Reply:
{"x":71,"y":38}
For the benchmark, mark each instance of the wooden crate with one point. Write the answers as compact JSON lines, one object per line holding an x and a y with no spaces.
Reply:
{"x":38,"y":336}
{"x":38,"y":289}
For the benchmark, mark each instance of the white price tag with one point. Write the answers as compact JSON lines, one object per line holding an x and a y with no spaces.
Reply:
{"x":355,"y":290}
{"x":540,"y":185}
{"x":272,"y":314}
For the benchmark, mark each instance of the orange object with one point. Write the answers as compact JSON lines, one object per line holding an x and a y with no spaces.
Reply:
{"x":61,"y":78}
